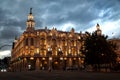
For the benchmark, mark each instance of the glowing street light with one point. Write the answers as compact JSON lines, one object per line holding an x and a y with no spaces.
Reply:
{"x":49,"y":49}
{"x":61,"y":58}
{"x":50,"y":58}
{"x":29,"y":66}
{"x":59,"y":49}
{"x":43,"y":58}
{"x":50,"y":64}
{"x":65,"y":58}
{"x":31,"y":58}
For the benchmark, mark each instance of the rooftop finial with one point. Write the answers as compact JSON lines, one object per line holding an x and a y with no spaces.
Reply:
{"x":98,"y":24}
{"x":30,"y":10}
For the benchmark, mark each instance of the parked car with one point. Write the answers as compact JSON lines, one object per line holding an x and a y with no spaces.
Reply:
{"x":3,"y":70}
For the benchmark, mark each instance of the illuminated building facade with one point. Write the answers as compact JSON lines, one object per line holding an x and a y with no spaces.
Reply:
{"x":117,"y":42}
{"x":46,"y":49}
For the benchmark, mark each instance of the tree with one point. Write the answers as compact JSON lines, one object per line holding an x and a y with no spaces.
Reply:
{"x":6,"y":62}
{"x":98,"y":50}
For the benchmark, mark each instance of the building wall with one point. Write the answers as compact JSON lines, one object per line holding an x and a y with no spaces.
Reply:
{"x":47,"y":48}
{"x":117,"y":42}
{"x":34,"y":46}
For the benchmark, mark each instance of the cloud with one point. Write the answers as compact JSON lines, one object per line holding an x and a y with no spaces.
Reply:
{"x":5,"y":53}
{"x":63,"y":14}
{"x":109,"y":28}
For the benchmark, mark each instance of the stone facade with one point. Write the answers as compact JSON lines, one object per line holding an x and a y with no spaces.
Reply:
{"x":117,"y":42}
{"x":46,"y":49}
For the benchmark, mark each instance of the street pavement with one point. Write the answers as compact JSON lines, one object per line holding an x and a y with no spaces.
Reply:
{"x":59,"y":75}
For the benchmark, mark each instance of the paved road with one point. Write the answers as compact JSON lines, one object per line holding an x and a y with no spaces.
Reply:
{"x":58,"y":75}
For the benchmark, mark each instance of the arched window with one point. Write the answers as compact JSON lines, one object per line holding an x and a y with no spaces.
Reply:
{"x":63,"y":42}
{"x":26,"y":42}
{"x":32,"y":42}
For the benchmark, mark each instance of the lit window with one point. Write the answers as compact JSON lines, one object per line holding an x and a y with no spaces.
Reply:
{"x":37,"y":50}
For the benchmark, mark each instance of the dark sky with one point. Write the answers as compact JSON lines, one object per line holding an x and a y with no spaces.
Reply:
{"x":82,"y":15}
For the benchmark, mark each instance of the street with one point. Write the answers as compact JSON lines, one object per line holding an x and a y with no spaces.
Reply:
{"x":58,"y":75}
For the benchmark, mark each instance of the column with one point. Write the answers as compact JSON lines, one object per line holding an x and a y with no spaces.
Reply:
{"x":37,"y":64}
{"x":70,"y":62}
{"x":25,"y":64}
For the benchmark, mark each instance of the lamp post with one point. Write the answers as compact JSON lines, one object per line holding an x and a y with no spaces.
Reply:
{"x":50,"y":64}
{"x":65,"y":63}
{"x":60,"y":56}
{"x":29,"y":66}
{"x":61,"y":62}
{"x":50,"y":58}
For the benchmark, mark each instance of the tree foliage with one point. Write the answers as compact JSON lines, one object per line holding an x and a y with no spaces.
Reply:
{"x":98,"y":50}
{"x":4,"y":63}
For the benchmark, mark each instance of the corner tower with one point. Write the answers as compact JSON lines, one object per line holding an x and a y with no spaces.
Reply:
{"x":98,"y":31}
{"x":30,"y":23}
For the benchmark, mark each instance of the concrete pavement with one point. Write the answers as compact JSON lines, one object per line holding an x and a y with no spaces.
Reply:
{"x":59,"y":75}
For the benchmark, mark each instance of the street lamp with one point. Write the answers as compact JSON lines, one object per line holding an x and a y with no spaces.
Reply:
{"x":61,"y":58}
{"x":65,"y":63}
{"x":61,"y":63}
{"x":31,"y":58}
{"x":60,"y":52}
{"x":49,"y":49}
{"x":50,"y":63}
{"x":50,"y":58}
{"x":59,"y":49}
{"x":29,"y":66}
{"x":43,"y":58}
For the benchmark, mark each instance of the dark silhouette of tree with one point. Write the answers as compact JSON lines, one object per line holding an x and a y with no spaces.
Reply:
{"x":5,"y":62}
{"x":99,"y":51}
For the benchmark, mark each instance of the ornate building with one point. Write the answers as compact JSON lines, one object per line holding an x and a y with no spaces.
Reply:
{"x":47,"y":49}
{"x":117,"y":42}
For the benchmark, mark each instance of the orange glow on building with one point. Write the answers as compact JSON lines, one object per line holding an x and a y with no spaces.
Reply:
{"x":44,"y":48}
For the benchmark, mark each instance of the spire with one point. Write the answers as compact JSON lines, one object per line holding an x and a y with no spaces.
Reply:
{"x":98,"y":26}
{"x":30,"y":21}
{"x":14,"y":42}
{"x":30,"y":16}
{"x":30,"y":10}
{"x":72,"y":30}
